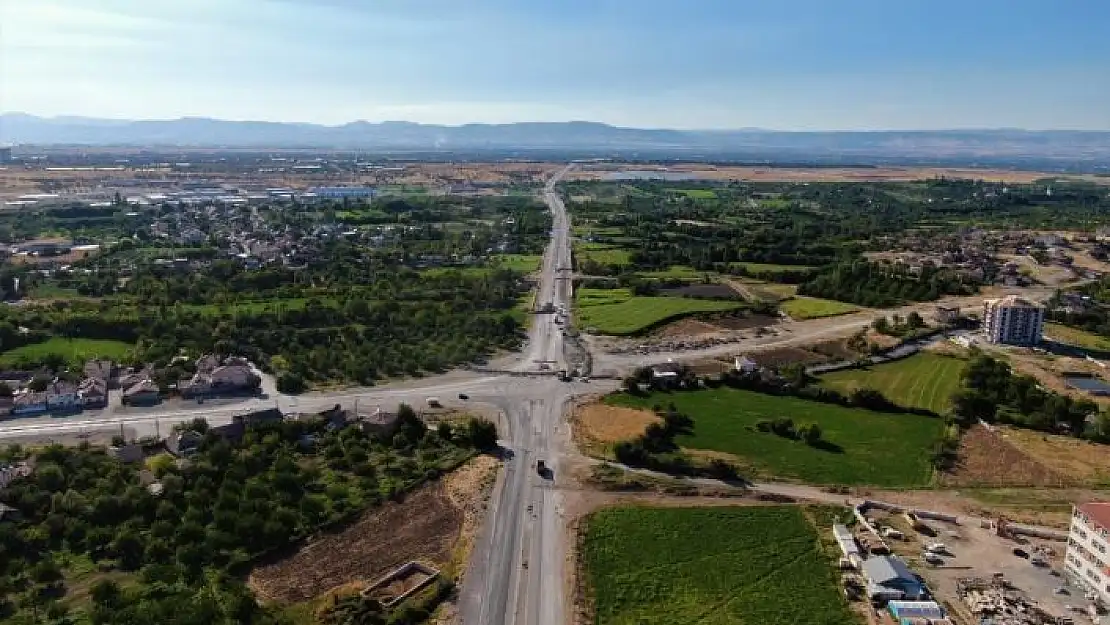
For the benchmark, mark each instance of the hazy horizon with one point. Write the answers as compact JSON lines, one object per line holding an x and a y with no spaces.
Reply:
{"x":795,"y":65}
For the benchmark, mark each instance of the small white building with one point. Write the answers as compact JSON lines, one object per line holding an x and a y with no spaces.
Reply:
{"x":1013,"y":320}
{"x":743,"y":364}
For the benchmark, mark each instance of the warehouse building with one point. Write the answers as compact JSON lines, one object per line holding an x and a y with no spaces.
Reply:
{"x":339,"y":193}
{"x":890,"y":579}
{"x":1013,"y":320}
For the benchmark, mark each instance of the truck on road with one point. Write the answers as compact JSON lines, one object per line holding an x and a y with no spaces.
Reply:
{"x":433,"y":402}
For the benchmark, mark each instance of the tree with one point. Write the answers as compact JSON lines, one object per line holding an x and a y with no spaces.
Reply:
{"x":291,"y":383}
{"x":914,"y":321}
{"x":811,"y":434}
{"x":105,"y":593}
{"x":482,"y":434}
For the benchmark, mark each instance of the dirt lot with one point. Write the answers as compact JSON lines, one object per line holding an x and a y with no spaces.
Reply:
{"x":787,"y":355}
{"x":1083,"y":461}
{"x":719,"y":291}
{"x":723,"y":324}
{"x":425,"y":526}
{"x":988,"y":459}
{"x":975,"y":551}
{"x":1048,"y":368}
{"x":814,"y":174}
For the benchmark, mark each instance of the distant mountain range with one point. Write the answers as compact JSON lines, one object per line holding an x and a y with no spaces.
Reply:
{"x":1064,"y":145}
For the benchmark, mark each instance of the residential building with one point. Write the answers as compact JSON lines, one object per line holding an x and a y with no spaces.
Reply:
{"x":62,"y":396}
{"x":143,"y":393}
{"x":101,"y":370}
{"x":9,"y":473}
{"x":29,"y":402}
{"x":890,"y":579}
{"x":381,"y":423}
{"x":8,"y":513}
{"x":1087,"y":562}
{"x":948,"y":314}
{"x":743,"y":364}
{"x":93,"y":392}
{"x":1013,"y":320}
{"x":234,"y":375}
{"x":130,"y":453}
{"x":183,"y":443}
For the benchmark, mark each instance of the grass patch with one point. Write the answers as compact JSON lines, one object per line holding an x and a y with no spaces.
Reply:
{"x":617,"y":311}
{"x":603,"y":253}
{"x":1074,"y":336}
{"x":799,"y":307}
{"x":758,"y":267}
{"x":524,"y":263}
{"x":865,"y":447}
{"x":924,"y":380}
{"x":697,"y":194}
{"x":674,"y":272}
{"x":74,"y":351}
{"x":753,"y":564}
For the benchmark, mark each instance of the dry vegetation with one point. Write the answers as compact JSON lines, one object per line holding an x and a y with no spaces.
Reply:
{"x":816,"y":174}
{"x":987,"y":459}
{"x":599,"y":426}
{"x":1083,"y":461}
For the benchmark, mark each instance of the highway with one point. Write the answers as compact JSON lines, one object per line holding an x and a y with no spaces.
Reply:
{"x":517,"y":571}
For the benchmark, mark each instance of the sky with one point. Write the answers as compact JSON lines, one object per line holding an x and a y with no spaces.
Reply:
{"x":778,"y":64}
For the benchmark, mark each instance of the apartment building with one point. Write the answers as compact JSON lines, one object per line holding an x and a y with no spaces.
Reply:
{"x":1013,"y":320}
{"x":1088,"y":557}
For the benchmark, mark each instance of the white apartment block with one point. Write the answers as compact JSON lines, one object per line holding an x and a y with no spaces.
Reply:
{"x":1088,"y":561}
{"x":1013,"y":320}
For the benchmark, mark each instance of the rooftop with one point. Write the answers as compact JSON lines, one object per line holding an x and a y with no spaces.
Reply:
{"x":1097,"y":511}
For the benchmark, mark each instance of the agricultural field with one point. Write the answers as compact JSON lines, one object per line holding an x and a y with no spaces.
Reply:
{"x":752,"y":564}
{"x":925,"y":381}
{"x":73,"y":351}
{"x":525,"y":263}
{"x":601,"y":253}
{"x":423,"y":527}
{"x":1074,"y":336}
{"x":618,"y":312}
{"x":674,"y":272}
{"x":698,"y":194}
{"x":761,"y":267}
{"x":861,"y":446}
{"x":799,"y":307}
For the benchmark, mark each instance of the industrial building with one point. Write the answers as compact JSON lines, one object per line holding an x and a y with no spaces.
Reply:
{"x":1013,"y":321}
{"x":339,"y":193}
{"x":1087,"y":563}
{"x":890,"y":579}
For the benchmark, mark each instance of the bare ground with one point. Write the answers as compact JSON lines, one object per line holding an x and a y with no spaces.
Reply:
{"x":423,"y":527}
{"x":985,"y":458}
{"x":1084,"y":461}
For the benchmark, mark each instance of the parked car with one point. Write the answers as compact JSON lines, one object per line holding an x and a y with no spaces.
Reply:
{"x":1021,"y":553}
{"x":464,"y":396}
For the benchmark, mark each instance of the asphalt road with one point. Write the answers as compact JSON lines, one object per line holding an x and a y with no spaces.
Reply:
{"x":516,"y":573}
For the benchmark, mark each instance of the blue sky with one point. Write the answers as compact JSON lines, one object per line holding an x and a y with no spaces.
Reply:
{"x":784,"y":64}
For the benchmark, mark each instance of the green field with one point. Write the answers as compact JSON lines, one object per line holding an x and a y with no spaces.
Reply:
{"x":698,"y":194}
{"x":525,"y":263}
{"x":867,"y":447}
{"x":74,"y":351}
{"x":754,"y":565}
{"x":603,"y":253}
{"x":1077,"y":337}
{"x":617,"y":311}
{"x":757,"y":267}
{"x":924,"y":380}
{"x":674,"y":272}
{"x":799,"y":307}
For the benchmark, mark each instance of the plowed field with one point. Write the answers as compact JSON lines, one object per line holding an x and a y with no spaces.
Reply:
{"x":423,"y":527}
